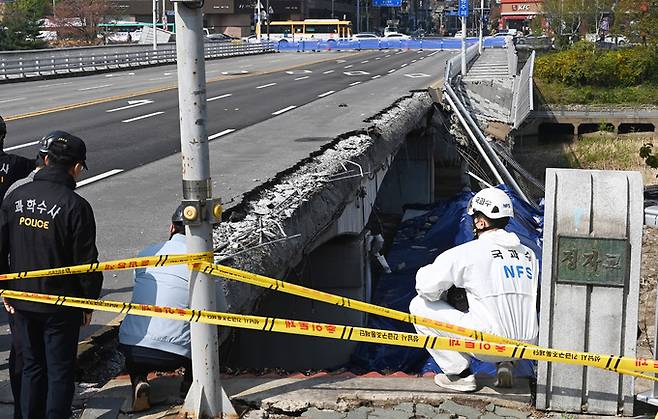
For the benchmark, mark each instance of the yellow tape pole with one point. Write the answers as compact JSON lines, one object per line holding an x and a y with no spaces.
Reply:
{"x":113,"y":265}
{"x":357,"y":334}
{"x":286,"y":287}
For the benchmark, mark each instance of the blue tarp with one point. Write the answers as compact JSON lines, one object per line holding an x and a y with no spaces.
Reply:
{"x":383,"y":43}
{"x":417,"y":243}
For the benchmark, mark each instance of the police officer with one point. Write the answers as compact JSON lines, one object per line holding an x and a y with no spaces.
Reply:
{"x":15,"y":353}
{"x":500,"y":278}
{"x":45,"y":224}
{"x":12,"y":167}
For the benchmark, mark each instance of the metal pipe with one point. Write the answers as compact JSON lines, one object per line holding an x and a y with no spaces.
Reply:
{"x":206,"y":397}
{"x":481,"y":44}
{"x":463,"y":18}
{"x":468,"y":130}
{"x":499,"y":164}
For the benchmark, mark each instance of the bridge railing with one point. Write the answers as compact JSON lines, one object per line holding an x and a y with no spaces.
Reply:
{"x":40,"y":63}
{"x":523,"y":98}
{"x":512,"y":59}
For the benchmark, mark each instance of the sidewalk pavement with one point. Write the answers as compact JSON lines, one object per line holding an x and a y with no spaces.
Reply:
{"x":323,"y":395}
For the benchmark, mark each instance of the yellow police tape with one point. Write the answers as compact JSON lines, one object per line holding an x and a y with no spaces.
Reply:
{"x":113,"y":265}
{"x":350,"y":333}
{"x":286,"y":287}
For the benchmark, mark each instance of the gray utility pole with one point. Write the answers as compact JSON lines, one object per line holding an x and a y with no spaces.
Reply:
{"x":358,"y":16}
{"x":463,"y":18}
{"x":206,"y":397}
{"x":481,"y":44}
{"x":155,"y":30}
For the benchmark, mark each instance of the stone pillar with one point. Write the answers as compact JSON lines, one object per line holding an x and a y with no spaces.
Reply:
{"x":590,"y":286}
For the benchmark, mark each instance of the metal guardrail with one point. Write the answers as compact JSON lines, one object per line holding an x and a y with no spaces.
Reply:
{"x":523,"y":99}
{"x":512,"y":58}
{"x":453,"y":67}
{"x":474,"y":132}
{"x":39,"y":63}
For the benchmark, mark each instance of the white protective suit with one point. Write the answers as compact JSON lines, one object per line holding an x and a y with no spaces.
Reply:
{"x":500,"y":276}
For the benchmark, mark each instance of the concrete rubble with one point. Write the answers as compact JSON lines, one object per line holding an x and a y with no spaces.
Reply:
{"x":268,"y":232}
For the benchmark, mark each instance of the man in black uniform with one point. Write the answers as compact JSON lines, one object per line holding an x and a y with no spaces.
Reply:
{"x":45,"y":224}
{"x":12,"y":167}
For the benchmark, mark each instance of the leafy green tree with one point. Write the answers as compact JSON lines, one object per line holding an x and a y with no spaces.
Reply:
{"x":20,"y":24}
{"x":638,"y":20}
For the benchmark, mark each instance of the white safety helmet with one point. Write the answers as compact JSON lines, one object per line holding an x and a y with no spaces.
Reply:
{"x":492,"y":202}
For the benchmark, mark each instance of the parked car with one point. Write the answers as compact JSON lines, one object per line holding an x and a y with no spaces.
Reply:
{"x":396,"y":35}
{"x":536,"y":42}
{"x":364,"y":35}
{"x":220,"y":37}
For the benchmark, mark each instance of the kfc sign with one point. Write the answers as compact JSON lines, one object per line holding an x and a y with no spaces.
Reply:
{"x":520,"y":7}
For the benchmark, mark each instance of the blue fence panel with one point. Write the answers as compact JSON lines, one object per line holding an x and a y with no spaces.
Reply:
{"x":384,"y":43}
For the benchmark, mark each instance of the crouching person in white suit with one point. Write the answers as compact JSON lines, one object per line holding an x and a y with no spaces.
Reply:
{"x":500,"y":279}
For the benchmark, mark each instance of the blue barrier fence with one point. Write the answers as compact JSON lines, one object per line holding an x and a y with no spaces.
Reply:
{"x":425,"y":43}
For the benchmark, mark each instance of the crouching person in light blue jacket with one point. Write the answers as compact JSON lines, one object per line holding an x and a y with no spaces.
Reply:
{"x":151,"y":343}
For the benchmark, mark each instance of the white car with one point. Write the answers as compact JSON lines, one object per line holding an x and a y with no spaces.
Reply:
{"x":396,"y":35}
{"x":364,"y":35}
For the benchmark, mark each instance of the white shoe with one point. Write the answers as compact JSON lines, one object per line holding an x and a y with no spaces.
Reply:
{"x":504,"y":375}
{"x":455,"y":382}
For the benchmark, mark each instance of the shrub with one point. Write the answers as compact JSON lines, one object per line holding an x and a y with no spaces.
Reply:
{"x":584,"y":65}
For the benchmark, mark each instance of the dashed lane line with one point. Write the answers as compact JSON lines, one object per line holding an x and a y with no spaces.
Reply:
{"x":355,"y":83}
{"x":221,"y":134}
{"x":286,"y":109}
{"x":16,"y":147}
{"x":94,"y":87}
{"x":302,"y":78}
{"x":219,"y":97}
{"x":265,"y":85}
{"x":137,"y":118}
{"x":327,"y":93}
{"x":376,"y":77}
{"x":328,"y":72}
{"x":98,"y":177}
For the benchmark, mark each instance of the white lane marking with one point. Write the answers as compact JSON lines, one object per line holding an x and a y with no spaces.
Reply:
{"x":16,"y":147}
{"x":142,"y":117}
{"x":355,"y":83}
{"x":98,"y":177}
{"x":404,"y":65}
{"x":94,"y":87}
{"x":219,"y":97}
{"x":391,"y":70}
{"x":220,"y":134}
{"x":378,"y":58}
{"x":109,"y":75}
{"x":429,"y":55}
{"x":298,"y":71}
{"x":349,"y":66}
{"x":286,"y":109}
{"x":328,"y":71}
{"x":413,"y":61}
{"x":376,"y":77}
{"x":131,"y":74}
{"x":416,"y":75}
{"x":327,"y":93}
{"x":302,"y":78}
{"x":265,"y":85}
{"x":422,"y":58}
{"x":340,"y":61}
{"x":364,"y":62}
{"x":131,"y":104}
{"x":158,"y":78}
{"x":56,"y":84}
{"x":386,"y":56}
{"x":399,"y":52}
{"x":12,"y":99}
{"x":166,"y":74}
{"x":356,"y":73}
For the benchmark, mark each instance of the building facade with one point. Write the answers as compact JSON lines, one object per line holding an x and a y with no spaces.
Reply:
{"x":519,"y":14}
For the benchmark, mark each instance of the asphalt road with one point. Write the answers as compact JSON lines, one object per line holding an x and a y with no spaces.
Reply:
{"x":123,"y":136}
{"x":125,"y":133}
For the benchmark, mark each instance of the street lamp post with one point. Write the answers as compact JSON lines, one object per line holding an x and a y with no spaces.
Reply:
{"x":155,"y":13}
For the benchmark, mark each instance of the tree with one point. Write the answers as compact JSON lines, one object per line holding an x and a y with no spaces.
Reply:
{"x":638,"y":20}
{"x":568,"y":17}
{"x":80,"y":18}
{"x":20,"y":24}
